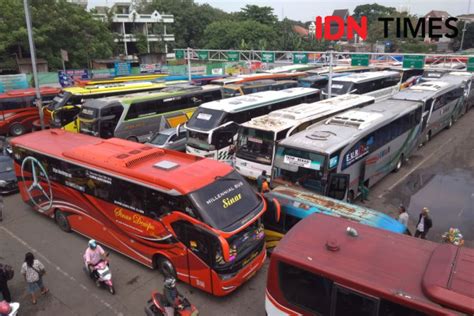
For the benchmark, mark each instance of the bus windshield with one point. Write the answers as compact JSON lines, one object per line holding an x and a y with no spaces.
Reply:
{"x":198,"y":140}
{"x":341,"y":87}
{"x":256,"y":145}
{"x":206,"y":119}
{"x":231,"y":92}
{"x":226,"y":203}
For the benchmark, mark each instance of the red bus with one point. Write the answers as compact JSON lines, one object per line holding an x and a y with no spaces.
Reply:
{"x":196,"y":219}
{"x":332,"y":266}
{"x":18,"y":110}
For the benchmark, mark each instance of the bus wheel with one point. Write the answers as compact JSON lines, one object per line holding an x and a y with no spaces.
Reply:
{"x":132,"y":139}
{"x":62,"y":221}
{"x":399,"y":164}
{"x":450,"y":124}
{"x":17,"y":129}
{"x":428,"y":137}
{"x":166,"y":267}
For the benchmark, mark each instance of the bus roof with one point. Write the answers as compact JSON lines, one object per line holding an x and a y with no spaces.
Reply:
{"x":241,"y":103}
{"x":423,"y":91}
{"x":367,"y":76}
{"x":259,"y":76}
{"x":416,"y":271}
{"x":182,"y":90}
{"x":256,"y":83}
{"x":30,"y":92}
{"x":119,"y":86}
{"x":165,"y":170}
{"x":343,"y":128}
{"x":286,"y":118}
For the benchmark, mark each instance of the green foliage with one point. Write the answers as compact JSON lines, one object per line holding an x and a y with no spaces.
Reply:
{"x":373,"y":12}
{"x":468,"y":37}
{"x":262,"y":15}
{"x":56,"y":25}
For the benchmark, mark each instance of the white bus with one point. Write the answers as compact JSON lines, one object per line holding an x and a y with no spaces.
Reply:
{"x":212,"y":130}
{"x":258,"y":137}
{"x":378,"y":84}
{"x":442,"y":101}
{"x":357,"y":146}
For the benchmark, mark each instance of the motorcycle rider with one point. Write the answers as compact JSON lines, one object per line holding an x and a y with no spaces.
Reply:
{"x":172,"y":297}
{"x":92,"y":256}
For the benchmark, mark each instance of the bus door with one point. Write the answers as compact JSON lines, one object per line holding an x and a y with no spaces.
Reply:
{"x":224,"y":139}
{"x":338,"y":185}
{"x":200,"y":253}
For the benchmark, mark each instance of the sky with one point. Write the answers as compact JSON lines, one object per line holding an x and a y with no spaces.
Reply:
{"x":306,"y":10}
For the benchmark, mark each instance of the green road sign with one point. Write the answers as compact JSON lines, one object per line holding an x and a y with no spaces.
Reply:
{"x":360,"y":60}
{"x":268,"y":57}
{"x":233,"y":56}
{"x":413,"y":61}
{"x":179,"y":54}
{"x":470,"y":64}
{"x":203,"y":54}
{"x":300,"y":58}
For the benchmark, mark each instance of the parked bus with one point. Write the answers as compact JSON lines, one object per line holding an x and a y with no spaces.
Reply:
{"x":18,"y":110}
{"x":319,"y":81}
{"x":212,"y":130}
{"x":120,"y":79}
{"x":234,"y":90}
{"x":257,"y":138}
{"x":351,"y":148}
{"x":195,"y":219}
{"x":67,"y":105}
{"x":297,"y":204}
{"x":259,"y":76}
{"x":378,"y":84}
{"x":442,"y":101}
{"x":334,"y":267}
{"x":139,"y":116}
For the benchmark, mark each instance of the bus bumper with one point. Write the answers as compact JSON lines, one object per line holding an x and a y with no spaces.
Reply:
{"x":222,"y":288}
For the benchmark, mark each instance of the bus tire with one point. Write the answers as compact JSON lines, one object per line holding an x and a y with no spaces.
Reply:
{"x":399,"y":164}
{"x":17,"y":129}
{"x":62,"y":221}
{"x":450,"y":124}
{"x":427,"y":137}
{"x":132,"y":139}
{"x":166,"y":267}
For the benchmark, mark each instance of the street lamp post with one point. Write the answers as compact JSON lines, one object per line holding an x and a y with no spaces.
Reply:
{"x":464,"y":29}
{"x":33,"y":62}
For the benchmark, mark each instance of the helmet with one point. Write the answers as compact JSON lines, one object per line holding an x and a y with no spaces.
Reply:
{"x":170,"y":282}
{"x":92,"y":244}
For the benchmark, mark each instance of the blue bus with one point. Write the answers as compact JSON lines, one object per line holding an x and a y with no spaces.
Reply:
{"x":294,"y":204}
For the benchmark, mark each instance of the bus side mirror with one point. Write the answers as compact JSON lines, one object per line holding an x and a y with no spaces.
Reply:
{"x":277,"y":209}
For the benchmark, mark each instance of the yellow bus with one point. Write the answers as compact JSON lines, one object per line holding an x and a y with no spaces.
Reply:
{"x":67,"y":104}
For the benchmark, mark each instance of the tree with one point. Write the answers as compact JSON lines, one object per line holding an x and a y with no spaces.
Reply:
{"x":262,"y":15}
{"x":56,"y":25}
{"x":237,"y":34}
{"x":468,"y":37}
{"x":373,"y":12}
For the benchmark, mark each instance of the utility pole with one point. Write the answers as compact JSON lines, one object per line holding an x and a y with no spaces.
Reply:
{"x":331,"y":52}
{"x":189,"y":64}
{"x":33,"y":62}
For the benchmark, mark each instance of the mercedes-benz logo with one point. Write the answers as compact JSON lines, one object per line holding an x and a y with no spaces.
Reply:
{"x":36,"y":169}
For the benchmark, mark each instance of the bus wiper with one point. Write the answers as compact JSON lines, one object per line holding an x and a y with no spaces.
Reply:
{"x":221,"y":178}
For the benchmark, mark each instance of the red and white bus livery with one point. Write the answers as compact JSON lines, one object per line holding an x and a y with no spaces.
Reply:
{"x":194,"y":218}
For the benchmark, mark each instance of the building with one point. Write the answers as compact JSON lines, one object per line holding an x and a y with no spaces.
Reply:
{"x":344,"y":14}
{"x":131,"y":26}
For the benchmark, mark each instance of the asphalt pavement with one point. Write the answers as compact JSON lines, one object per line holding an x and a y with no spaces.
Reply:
{"x":439,"y":175}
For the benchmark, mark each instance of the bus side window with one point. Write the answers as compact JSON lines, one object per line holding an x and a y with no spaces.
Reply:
{"x":439,"y":102}
{"x":388,"y":308}
{"x":305,"y":289}
{"x":348,"y":302}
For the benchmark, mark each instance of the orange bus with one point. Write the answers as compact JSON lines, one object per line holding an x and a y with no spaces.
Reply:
{"x":332,"y":266}
{"x":193,"y":218}
{"x":18,"y":110}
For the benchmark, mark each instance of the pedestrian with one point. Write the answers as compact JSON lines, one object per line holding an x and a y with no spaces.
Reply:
{"x":364,"y":192}
{"x":403,"y":218}
{"x":5,"y":276}
{"x":424,"y":224}
{"x":260,"y":180}
{"x":33,"y":271}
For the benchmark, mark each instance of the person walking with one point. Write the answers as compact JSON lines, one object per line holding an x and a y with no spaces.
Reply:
{"x":364,"y":192}
{"x":424,"y":224}
{"x":403,"y":218}
{"x":4,"y":278}
{"x":260,"y":179}
{"x":33,"y":271}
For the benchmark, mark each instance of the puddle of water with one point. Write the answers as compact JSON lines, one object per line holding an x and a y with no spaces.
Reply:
{"x":450,"y":199}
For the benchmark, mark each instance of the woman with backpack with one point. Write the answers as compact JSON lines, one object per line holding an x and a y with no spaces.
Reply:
{"x":6,"y":274}
{"x":33,"y":271}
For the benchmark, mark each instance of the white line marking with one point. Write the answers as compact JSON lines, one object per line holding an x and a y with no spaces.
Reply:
{"x":64,"y":273}
{"x":462,"y":211}
{"x":414,"y":168}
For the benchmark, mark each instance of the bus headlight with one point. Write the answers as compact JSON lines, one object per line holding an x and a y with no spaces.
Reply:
{"x":225,"y":277}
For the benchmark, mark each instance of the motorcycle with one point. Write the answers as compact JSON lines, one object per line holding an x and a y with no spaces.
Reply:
{"x":102,"y":276}
{"x":156,"y":306}
{"x":15,"y":307}
{"x":9,"y":309}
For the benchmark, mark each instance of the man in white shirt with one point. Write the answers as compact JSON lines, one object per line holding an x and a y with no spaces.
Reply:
{"x":403,"y":217}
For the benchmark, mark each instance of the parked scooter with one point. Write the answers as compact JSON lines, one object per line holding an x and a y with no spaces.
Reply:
{"x":156,"y":307}
{"x":102,"y":275}
{"x":9,"y":309}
